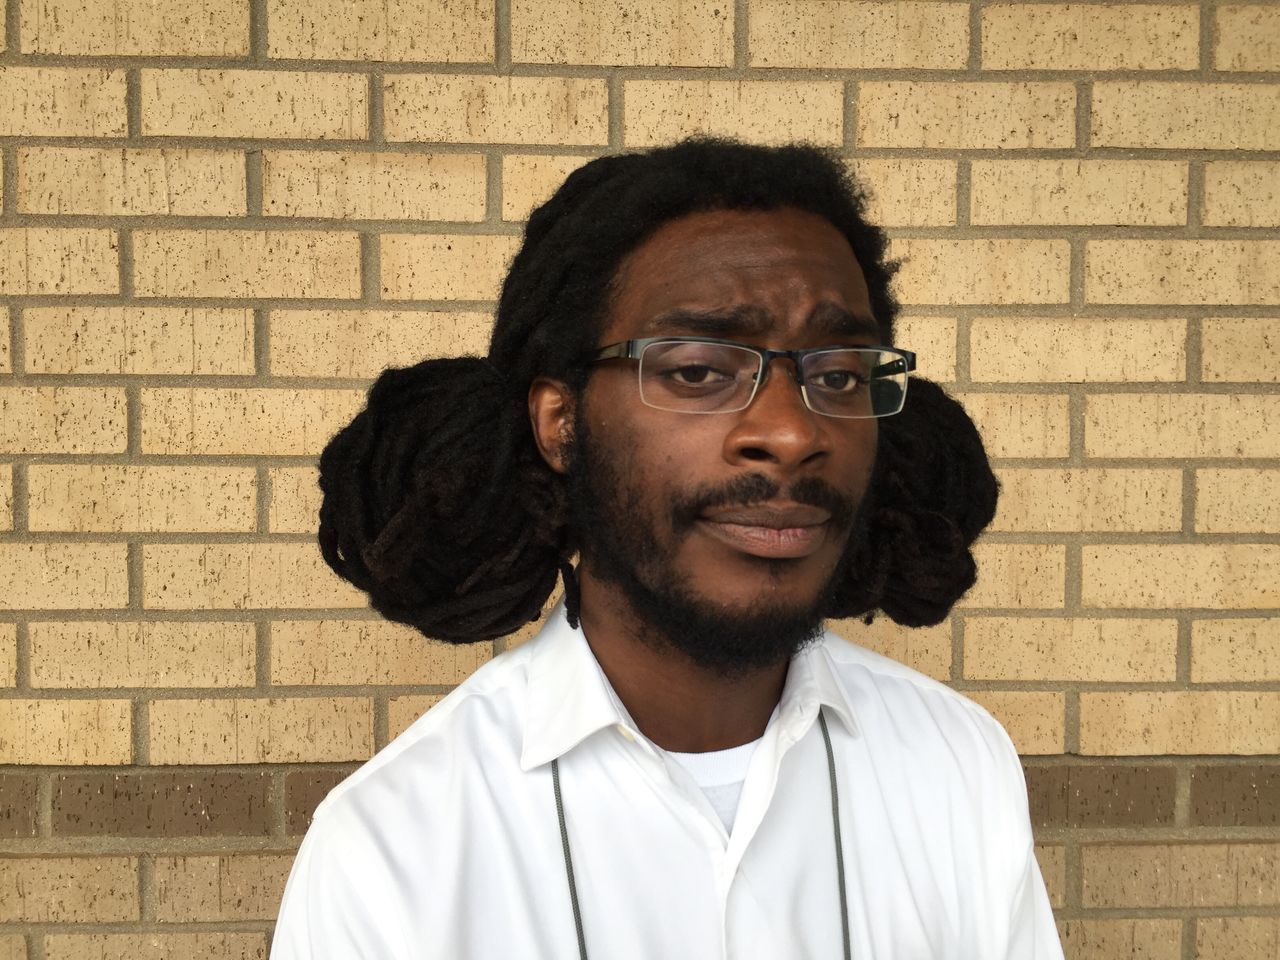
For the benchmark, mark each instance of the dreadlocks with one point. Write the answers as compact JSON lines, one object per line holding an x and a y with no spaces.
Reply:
{"x":436,"y":500}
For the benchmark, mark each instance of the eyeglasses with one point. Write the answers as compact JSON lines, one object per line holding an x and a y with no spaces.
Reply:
{"x":706,"y":375}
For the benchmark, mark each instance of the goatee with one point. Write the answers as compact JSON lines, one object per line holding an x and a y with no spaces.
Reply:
{"x":619,"y":546}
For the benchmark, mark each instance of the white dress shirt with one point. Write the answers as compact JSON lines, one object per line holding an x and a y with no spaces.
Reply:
{"x":446,"y":845}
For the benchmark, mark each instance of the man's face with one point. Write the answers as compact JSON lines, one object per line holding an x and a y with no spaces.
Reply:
{"x":725,"y":532}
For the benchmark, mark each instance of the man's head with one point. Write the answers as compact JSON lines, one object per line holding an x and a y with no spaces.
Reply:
{"x":725,"y":532}
{"x":455,"y":515}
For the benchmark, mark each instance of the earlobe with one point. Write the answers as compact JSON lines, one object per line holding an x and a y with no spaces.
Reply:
{"x":551,"y":406}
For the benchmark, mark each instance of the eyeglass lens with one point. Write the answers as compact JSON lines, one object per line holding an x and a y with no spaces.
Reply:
{"x":718,"y":378}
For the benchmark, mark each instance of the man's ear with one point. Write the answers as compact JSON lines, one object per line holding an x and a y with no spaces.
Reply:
{"x":551,"y":407}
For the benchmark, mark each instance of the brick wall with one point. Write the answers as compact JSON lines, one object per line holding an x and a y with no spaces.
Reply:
{"x":221,"y":219}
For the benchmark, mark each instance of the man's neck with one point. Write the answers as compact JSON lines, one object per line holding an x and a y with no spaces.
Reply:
{"x":677,"y":704}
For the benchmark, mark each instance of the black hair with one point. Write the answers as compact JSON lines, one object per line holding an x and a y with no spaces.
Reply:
{"x":437,"y":503}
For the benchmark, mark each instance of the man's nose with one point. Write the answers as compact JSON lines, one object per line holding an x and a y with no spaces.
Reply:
{"x":777,"y":427}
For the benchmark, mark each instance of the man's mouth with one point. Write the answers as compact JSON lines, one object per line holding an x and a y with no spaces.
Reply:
{"x":775,"y":530}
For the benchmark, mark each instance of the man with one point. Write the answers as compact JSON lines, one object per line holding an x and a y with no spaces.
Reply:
{"x":691,"y":386}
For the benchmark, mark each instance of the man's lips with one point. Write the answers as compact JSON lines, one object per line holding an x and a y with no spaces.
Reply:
{"x":769,"y":530}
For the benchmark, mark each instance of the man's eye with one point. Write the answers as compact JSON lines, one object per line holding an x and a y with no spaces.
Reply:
{"x":840,"y":381}
{"x":694,"y":374}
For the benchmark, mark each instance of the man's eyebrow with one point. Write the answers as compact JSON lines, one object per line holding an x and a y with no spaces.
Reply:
{"x":746,"y":320}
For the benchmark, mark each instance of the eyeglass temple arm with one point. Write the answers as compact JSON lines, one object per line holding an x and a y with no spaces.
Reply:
{"x":896,"y":366}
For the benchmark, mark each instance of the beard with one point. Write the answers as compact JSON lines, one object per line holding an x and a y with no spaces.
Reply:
{"x":619,"y":545}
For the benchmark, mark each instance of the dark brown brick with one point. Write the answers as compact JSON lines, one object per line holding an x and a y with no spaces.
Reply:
{"x":17,"y":805}
{"x":162,"y":804}
{"x":1099,"y":795}
{"x":1236,"y":795}
{"x":303,"y":791}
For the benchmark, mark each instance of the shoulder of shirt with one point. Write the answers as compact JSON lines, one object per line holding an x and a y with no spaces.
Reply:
{"x":498,"y":679}
{"x":857,"y":667}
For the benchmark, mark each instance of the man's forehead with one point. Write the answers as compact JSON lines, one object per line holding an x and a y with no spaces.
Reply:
{"x":745,"y":320}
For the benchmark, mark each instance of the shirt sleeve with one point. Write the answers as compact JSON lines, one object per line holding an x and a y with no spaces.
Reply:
{"x":330,"y":907}
{"x":1032,"y":932}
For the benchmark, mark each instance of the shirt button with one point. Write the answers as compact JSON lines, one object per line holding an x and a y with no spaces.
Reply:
{"x":627,"y":734}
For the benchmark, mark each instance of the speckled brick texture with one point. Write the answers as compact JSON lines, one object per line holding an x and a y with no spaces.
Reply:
{"x":220,"y":220}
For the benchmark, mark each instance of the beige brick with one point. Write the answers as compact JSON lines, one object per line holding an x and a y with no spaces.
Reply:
{"x":1085,"y":36}
{"x":1035,"y":721}
{"x":774,"y":111}
{"x":1107,"y":939}
{"x":927,"y":649}
{"x":241,"y":730}
{"x":403,"y":711}
{"x":1235,"y":650}
{"x":52,"y":260}
{"x":155,"y":946}
{"x":6,"y":364}
{"x":160,"y":499}
{"x":1248,"y":37}
{"x":246,"y":421}
{"x":1107,"y":192}
{"x":13,"y":946}
{"x":204,"y":341}
{"x":1043,"y":500}
{"x":529,"y":180}
{"x":88,"y":654}
{"x":8,"y":658}
{"x":1183,"y":271}
{"x":685,"y":33}
{"x":440,"y":31}
{"x":1238,"y":501}
{"x":165,"y":28}
{"x":1018,"y":575}
{"x":361,"y":343}
{"x":295,"y":500}
{"x":1185,"y":115}
{"x":1075,"y":350}
{"x":1219,"y":576}
{"x":983,"y":115}
{"x":254,"y":103}
{"x":982,"y":271}
{"x":908,"y":192}
{"x":63,"y":576}
{"x":444,"y":108}
{"x":62,"y":102}
{"x":1180,"y":722}
{"x":1182,"y":425}
{"x":445,"y":266}
{"x":1240,"y":349}
{"x":78,"y":889}
{"x":234,"y":887}
{"x":189,"y":576}
{"x":1242,"y":193}
{"x":6,"y":497}
{"x":1020,"y":425}
{"x":126,"y":181}
{"x":64,"y":732}
{"x":347,"y":652}
{"x":1181,"y":875}
{"x":373,"y":186}
{"x":1237,"y":938}
{"x":1051,"y":648}
{"x":934,"y":341}
{"x":246,"y":263}
{"x":1052,"y":860}
{"x":858,"y":34}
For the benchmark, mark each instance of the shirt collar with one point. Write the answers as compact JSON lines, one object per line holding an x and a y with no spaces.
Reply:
{"x":570,"y":698}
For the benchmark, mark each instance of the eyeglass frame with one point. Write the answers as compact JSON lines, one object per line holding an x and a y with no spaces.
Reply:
{"x":632,"y":350}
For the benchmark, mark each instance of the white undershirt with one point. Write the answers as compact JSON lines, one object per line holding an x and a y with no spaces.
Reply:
{"x":720,"y":774}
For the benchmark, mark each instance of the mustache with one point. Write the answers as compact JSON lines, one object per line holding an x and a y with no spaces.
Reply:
{"x":754,"y":488}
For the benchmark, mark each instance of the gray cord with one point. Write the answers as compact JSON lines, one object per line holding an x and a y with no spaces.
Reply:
{"x":568,"y":860}
{"x":835,"y":819}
